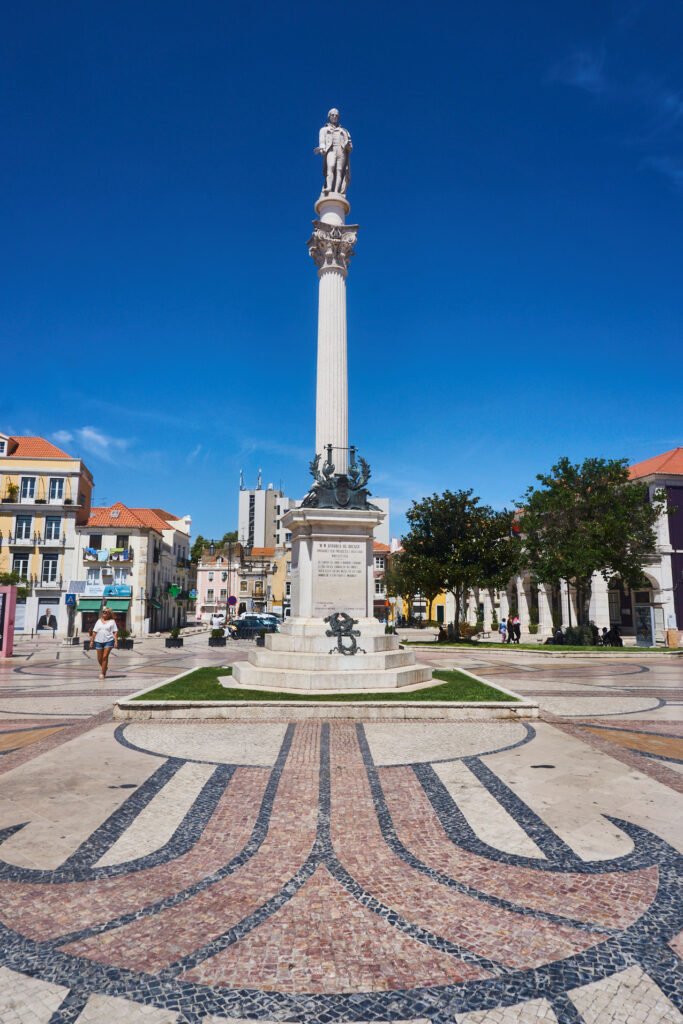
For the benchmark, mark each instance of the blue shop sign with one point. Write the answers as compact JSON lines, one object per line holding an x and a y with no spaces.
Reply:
{"x":118,"y":590}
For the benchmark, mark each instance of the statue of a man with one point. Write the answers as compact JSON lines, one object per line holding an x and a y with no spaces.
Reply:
{"x":335,"y":146}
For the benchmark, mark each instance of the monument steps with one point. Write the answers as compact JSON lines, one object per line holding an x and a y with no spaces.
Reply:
{"x":322,"y":644}
{"x":316,"y":662}
{"x":276,"y":678}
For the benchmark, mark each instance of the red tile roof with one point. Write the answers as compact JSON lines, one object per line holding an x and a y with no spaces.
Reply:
{"x":667,"y":464}
{"x":136,"y":518}
{"x":150,"y":518}
{"x":208,"y":560}
{"x":377,"y":546}
{"x":34,"y":448}
{"x":164,"y":515}
{"x":262,"y":552}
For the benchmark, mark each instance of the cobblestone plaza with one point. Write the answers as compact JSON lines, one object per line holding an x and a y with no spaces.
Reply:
{"x":467,"y":872}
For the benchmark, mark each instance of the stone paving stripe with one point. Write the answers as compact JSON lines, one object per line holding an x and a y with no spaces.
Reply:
{"x":610,"y":899}
{"x":71,"y":732}
{"x":70,"y":1009}
{"x":545,"y":838}
{"x":112,"y":1010}
{"x":101,"y":840}
{"x":204,"y":913}
{"x":628,"y":997}
{"x":559,"y":794}
{"x":243,"y":743}
{"x":156,"y":823}
{"x":59,"y":816}
{"x":667,"y":747}
{"x":485,"y":815}
{"x":323,"y":940}
{"x":25,"y":1000}
{"x":409,"y":742}
{"x":535,"y":1011}
{"x":18,"y":738}
{"x":64,"y":911}
{"x":470,"y":923}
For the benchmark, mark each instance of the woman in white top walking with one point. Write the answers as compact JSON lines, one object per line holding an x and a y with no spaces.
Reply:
{"x":104,"y":634}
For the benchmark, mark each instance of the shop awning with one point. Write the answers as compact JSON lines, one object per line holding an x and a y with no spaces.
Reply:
{"x":154,"y":603}
{"x":90,"y":604}
{"x":118,"y":604}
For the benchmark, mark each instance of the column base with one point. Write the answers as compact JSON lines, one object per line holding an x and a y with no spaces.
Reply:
{"x":302,"y":657}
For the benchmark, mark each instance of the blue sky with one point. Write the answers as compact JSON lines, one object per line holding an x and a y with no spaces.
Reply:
{"x":516,"y":293}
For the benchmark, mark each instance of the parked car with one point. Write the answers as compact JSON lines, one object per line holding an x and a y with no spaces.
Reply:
{"x":249,"y":626}
{"x":271,"y":619}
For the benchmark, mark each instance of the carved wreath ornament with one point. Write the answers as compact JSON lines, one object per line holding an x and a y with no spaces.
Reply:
{"x":341,"y":626}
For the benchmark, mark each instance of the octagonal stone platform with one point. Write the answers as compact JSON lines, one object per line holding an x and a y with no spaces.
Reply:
{"x":303,"y":657}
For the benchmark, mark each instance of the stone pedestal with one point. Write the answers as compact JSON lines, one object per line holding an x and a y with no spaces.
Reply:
{"x":332,"y":571}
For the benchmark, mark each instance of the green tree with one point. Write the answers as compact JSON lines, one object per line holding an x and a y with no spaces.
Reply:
{"x":13,"y":579}
{"x":400,"y":579}
{"x":454,"y":532}
{"x":197,"y":548}
{"x":588,"y":518}
{"x":409,"y":574}
{"x":501,"y":552}
{"x":202,"y":542}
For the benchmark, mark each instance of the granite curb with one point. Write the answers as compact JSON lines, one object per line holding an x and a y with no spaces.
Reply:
{"x":132,"y":709}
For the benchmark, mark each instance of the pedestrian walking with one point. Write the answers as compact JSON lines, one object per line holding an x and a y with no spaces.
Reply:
{"x":104,"y":634}
{"x":502,"y":629}
{"x":517,"y":627}
{"x":510,"y":631}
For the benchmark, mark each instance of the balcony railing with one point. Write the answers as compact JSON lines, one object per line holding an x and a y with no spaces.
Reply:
{"x":47,"y":583}
{"x":126,"y":556}
{"x":23,"y":540}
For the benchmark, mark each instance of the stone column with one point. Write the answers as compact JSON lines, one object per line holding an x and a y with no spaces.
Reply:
{"x":545,"y":615}
{"x":485,"y":596}
{"x":522,"y":603}
{"x":331,"y":247}
{"x":599,"y":606}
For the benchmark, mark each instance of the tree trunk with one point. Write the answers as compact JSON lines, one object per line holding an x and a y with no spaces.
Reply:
{"x":456,"y":618}
{"x":584,"y":593}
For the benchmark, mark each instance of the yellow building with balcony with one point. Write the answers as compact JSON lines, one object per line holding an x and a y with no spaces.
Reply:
{"x":45,"y":493}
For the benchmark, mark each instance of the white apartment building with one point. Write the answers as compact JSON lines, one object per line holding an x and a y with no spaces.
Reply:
{"x":45,"y":495}
{"x":137,"y":562}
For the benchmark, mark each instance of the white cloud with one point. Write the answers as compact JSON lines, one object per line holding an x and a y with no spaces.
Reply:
{"x":62,"y":436}
{"x":95,"y":442}
{"x":251,"y":445}
{"x":671,"y":169}
{"x":583,"y":69}
{"x":196,"y":451}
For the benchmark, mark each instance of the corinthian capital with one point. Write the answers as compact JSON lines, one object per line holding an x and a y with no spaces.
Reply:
{"x":331,"y":245}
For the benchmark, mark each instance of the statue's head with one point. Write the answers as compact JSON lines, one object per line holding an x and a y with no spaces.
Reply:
{"x":333,"y":116}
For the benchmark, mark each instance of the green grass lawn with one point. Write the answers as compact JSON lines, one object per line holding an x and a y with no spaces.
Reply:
{"x":202,"y":684}
{"x":545,"y":648}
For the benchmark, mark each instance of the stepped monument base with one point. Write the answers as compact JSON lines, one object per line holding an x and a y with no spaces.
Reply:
{"x":332,"y":573}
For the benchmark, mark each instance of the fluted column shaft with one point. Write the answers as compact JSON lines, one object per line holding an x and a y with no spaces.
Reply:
{"x":331,"y":247}
{"x":332,"y":392}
